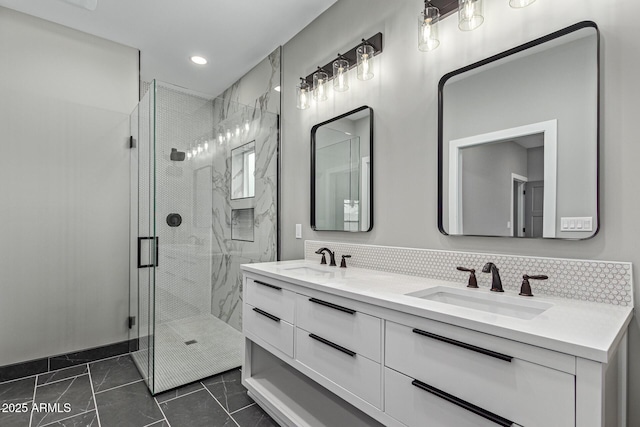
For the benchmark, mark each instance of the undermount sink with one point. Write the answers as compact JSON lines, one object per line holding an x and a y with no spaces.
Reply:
{"x":309,"y":271}
{"x":488,"y":302}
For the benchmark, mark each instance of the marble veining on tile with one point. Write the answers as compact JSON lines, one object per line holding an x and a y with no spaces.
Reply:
{"x":594,"y":281}
{"x":110,"y":373}
{"x":227,"y":388}
{"x":61,"y":374}
{"x":72,"y":396}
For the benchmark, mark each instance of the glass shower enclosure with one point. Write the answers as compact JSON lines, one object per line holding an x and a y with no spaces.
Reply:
{"x":204,"y":201}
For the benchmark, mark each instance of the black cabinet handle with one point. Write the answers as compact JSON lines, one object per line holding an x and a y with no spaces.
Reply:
{"x":264,"y":313}
{"x":464,"y":404}
{"x":277,"y":288}
{"x":331,"y":305}
{"x":464,"y":345}
{"x":334,"y":345}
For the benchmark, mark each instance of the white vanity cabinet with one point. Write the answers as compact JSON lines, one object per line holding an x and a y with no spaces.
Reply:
{"x":467,"y":371}
{"x":314,"y":358}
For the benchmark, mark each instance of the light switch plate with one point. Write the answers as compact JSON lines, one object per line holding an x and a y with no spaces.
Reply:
{"x":298,"y":231}
{"x":576,"y":223}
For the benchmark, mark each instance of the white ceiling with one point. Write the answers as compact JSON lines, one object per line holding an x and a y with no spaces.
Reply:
{"x":234,"y":35}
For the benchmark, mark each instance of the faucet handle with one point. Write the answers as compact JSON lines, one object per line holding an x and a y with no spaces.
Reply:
{"x":525,"y":289}
{"x":343,"y":263}
{"x":473,"y":282}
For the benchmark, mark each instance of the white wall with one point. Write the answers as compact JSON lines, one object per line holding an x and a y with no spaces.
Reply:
{"x":403,"y":95}
{"x":65,"y":99}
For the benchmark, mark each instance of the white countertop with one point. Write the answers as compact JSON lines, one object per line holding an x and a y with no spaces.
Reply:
{"x":583,"y":329}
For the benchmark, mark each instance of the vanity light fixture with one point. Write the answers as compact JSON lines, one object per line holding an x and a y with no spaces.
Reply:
{"x":320,"y":79}
{"x":364,"y":55}
{"x":428,"y":27}
{"x":470,"y":14}
{"x":360,"y":56}
{"x":340,"y":76}
{"x":302,"y":95}
{"x":517,"y":4}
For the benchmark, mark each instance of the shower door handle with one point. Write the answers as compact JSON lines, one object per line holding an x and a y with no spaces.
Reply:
{"x":140,"y":239}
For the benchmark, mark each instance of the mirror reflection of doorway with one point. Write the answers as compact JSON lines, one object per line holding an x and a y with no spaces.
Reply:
{"x":534,"y":204}
{"x":518,"y":226}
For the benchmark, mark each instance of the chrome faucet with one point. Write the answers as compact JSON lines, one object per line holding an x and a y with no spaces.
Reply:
{"x":496,"y":283}
{"x":324,"y":259}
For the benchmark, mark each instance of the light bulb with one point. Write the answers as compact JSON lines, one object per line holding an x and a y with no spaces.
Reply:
{"x":189,"y":155}
{"x":228,"y":134}
{"x":364,"y":54}
{"x":303,"y":97}
{"x":237,"y":131}
{"x":199,"y":149}
{"x":206,"y":145}
{"x":341,"y":79}
{"x":320,"y":88}
{"x":319,"y":80}
{"x":365,"y":64}
{"x":246,"y":125}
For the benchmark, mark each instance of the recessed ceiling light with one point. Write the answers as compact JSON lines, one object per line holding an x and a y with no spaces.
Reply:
{"x":198,"y":60}
{"x":277,"y":88}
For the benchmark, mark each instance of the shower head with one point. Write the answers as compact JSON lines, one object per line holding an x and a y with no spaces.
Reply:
{"x":176,"y":155}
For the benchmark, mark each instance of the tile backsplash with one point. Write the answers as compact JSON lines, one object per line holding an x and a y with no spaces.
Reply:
{"x":596,"y":281}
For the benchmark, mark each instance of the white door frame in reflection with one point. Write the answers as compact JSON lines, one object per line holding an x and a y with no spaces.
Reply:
{"x":548,"y":128}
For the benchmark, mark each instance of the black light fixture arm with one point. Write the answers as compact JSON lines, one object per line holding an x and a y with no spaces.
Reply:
{"x":375,"y":42}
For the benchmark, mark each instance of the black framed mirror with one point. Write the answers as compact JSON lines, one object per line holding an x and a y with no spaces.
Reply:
{"x":342,"y":172}
{"x":518,"y":140}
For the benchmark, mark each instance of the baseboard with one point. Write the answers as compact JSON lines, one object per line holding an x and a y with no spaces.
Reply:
{"x":52,"y":363}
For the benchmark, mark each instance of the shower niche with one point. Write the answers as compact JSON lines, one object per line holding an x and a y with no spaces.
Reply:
{"x":214,"y":162}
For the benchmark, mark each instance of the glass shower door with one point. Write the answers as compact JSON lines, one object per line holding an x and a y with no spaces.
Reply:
{"x":144,"y":241}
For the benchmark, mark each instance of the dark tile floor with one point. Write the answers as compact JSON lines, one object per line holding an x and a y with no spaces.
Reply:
{"x":111,"y":393}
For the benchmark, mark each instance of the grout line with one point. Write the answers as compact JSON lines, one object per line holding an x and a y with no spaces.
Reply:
{"x":244,"y":407}
{"x":162,"y":412}
{"x":93,"y":394}
{"x":223,"y":408}
{"x":21,"y":378}
{"x":182,"y":395}
{"x":64,"y":419}
{"x":63,"y":379}
{"x":120,"y":386}
{"x":33,"y":401}
{"x":156,"y":422}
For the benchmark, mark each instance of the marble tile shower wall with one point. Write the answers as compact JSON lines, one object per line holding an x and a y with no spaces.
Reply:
{"x":595,"y":281}
{"x":228,"y":254}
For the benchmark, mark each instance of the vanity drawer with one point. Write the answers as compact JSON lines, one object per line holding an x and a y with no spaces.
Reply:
{"x":415,"y":407}
{"x":269,"y":296}
{"x":525,"y":392}
{"x":353,"y":372}
{"x":333,"y":319}
{"x":268,"y":328}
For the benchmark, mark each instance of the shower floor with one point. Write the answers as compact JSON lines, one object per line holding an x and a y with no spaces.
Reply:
{"x":218,"y":347}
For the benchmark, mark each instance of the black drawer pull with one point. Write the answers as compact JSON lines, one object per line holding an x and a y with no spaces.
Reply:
{"x":330,"y":344}
{"x":331,"y":305}
{"x":465,"y":345}
{"x":464,"y":404}
{"x":277,"y":288}
{"x":264,"y":313}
